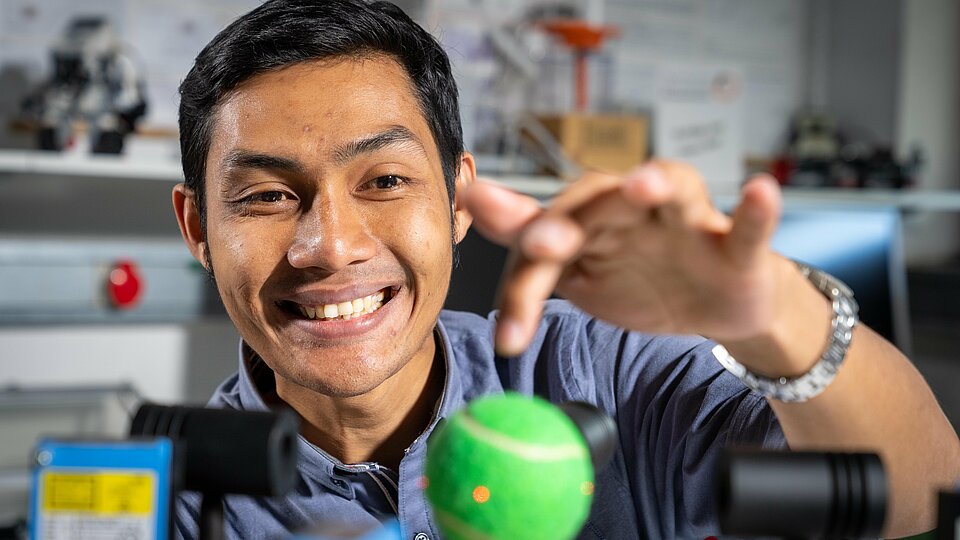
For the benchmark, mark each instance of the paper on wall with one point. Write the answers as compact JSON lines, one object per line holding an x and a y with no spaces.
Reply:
{"x":698,"y":119}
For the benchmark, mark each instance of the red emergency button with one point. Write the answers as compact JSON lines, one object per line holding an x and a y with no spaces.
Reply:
{"x":124,"y":286}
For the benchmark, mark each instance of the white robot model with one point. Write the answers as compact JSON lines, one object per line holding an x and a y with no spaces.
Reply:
{"x":93,"y":82}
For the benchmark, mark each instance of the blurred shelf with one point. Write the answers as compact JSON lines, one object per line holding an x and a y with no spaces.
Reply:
{"x":90,"y":166}
{"x":908,"y":199}
{"x":541,"y":187}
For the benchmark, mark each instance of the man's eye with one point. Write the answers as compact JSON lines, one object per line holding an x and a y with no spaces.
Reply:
{"x":267,"y":197}
{"x":386,"y":182}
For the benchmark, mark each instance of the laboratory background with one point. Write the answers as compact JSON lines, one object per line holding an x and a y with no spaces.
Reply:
{"x":854,"y":105}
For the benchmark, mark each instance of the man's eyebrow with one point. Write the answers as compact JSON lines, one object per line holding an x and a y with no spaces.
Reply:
{"x":246,"y":159}
{"x":395,"y":135}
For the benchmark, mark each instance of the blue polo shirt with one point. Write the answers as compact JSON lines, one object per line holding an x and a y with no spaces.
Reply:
{"x":674,"y":405}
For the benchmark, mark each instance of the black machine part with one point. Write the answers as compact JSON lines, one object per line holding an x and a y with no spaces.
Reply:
{"x":948,"y":515}
{"x":598,"y":429}
{"x":801,"y":494}
{"x":227,"y":451}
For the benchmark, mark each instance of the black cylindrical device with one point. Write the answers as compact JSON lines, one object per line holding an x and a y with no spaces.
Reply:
{"x":597,"y":428}
{"x":227,"y":451}
{"x":801,"y":494}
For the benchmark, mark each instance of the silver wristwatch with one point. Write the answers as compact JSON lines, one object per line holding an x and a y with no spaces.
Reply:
{"x":812,"y":382}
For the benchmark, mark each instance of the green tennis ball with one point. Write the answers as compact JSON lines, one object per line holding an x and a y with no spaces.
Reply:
{"x":509,"y":467}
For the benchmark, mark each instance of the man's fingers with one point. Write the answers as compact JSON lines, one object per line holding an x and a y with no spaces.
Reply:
{"x":552,"y":238}
{"x":525,"y":285}
{"x":647,"y":186}
{"x":755,"y":219}
{"x":675,"y":192}
{"x":540,"y":249}
{"x":546,"y":246}
{"x":668,"y":198}
{"x":498,"y":213}
{"x":587,"y":188}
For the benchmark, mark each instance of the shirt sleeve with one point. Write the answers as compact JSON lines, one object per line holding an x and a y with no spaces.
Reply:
{"x":676,"y":409}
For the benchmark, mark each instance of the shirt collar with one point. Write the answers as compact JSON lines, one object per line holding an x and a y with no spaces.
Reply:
{"x":452,"y":398}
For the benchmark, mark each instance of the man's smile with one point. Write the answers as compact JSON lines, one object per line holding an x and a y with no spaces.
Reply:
{"x":356,"y":312}
{"x":345,"y":310}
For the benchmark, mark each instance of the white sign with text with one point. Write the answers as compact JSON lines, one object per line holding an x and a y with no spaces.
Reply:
{"x":698,"y":119}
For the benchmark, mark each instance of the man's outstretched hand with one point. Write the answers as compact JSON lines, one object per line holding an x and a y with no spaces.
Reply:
{"x":646,"y":251}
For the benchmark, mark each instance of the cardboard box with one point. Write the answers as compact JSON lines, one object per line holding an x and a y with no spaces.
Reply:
{"x":610,"y":143}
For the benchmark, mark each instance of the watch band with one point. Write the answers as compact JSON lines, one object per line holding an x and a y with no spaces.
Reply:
{"x":815,"y":380}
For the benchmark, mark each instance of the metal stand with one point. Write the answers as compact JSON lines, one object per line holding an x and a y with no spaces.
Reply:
{"x":211,"y":517}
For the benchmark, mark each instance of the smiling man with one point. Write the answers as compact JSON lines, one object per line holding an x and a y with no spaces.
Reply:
{"x":328,"y":228}
{"x":326,"y":186}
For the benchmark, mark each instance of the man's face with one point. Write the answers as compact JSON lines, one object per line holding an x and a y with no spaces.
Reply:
{"x":328,"y":222}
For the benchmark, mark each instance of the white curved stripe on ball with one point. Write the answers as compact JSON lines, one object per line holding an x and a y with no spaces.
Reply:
{"x":528,"y":451}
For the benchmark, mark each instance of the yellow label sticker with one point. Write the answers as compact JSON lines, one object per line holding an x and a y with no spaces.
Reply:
{"x":105,"y":493}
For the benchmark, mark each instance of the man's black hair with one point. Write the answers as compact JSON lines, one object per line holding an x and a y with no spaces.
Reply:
{"x":281,"y":33}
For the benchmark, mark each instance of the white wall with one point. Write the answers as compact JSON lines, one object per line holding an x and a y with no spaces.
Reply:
{"x":929,"y":116}
{"x":863,"y":67}
{"x":166,"y":363}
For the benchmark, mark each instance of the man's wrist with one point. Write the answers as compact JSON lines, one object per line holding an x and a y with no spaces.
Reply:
{"x":795,"y":339}
{"x":812,"y":382}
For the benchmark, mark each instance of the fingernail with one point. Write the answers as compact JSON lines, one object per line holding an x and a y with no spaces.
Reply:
{"x":544,"y":233}
{"x":648,"y":178}
{"x":509,"y":338}
{"x":652,"y":176}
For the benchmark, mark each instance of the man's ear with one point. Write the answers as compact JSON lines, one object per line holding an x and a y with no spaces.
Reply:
{"x":188,"y":217}
{"x":467,"y":176}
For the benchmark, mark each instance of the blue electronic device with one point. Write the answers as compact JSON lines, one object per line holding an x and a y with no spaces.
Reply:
{"x":101,"y":489}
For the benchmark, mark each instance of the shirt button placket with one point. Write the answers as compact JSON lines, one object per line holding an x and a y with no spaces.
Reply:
{"x":421,"y":536}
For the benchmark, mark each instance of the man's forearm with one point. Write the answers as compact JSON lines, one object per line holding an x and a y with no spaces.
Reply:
{"x":878,"y":402}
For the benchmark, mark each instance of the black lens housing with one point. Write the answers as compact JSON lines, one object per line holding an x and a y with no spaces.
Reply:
{"x":801,"y":494}
{"x":226,"y":451}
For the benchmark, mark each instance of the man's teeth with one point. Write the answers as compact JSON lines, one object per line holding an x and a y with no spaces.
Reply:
{"x":344,"y":310}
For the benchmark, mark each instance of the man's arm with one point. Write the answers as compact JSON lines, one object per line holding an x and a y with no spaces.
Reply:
{"x":649,"y":252}
{"x":878,"y":402}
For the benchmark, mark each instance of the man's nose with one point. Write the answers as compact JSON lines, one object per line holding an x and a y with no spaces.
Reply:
{"x":331,"y":235}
